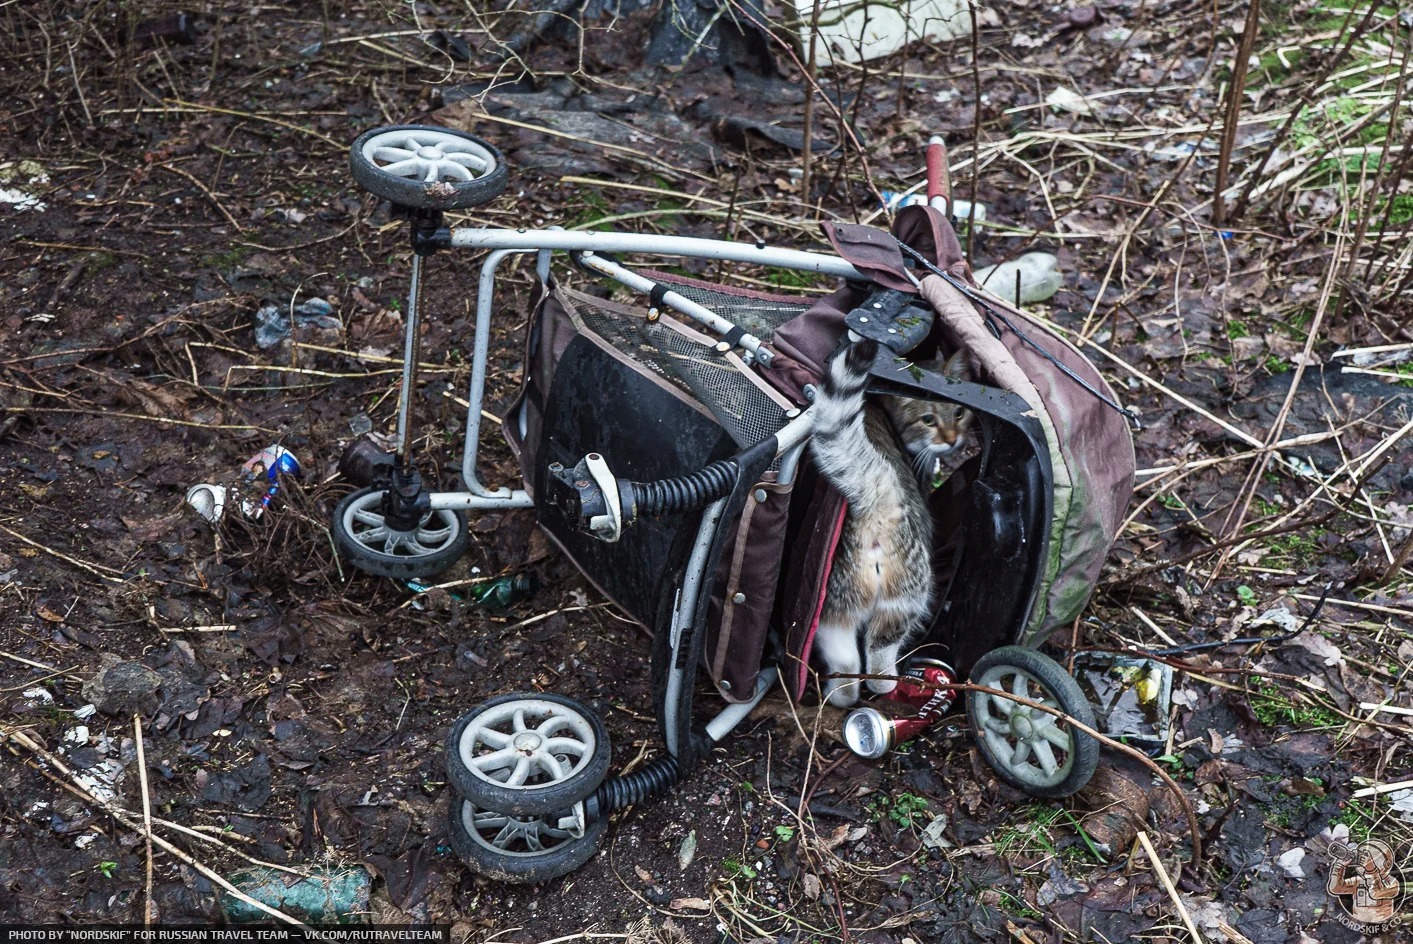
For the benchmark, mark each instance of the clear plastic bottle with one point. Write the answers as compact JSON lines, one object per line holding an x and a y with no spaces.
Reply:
{"x":1037,"y":272}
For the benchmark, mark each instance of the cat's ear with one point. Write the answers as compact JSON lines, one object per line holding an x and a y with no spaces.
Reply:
{"x":955,"y":367}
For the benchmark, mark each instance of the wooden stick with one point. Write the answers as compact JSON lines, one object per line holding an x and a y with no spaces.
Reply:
{"x":1168,"y":885}
{"x":1236,"y":89}
{"x":95,"y":569}
{"x":149,"y":910}
{"x":1382,"y":788}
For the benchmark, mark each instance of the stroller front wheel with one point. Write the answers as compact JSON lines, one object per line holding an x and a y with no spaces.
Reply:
{"x":363,"y":537}
{"x":1029,"y":749}
{"x":527,"y":754}
{"x":520,"y":848}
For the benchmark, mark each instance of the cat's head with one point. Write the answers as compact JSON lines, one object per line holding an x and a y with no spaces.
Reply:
{"x":931,"y":429}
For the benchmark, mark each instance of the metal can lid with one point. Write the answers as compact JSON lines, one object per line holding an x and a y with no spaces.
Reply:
{"x":868,"y":732}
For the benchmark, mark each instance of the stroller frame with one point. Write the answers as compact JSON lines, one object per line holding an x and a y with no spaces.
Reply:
{"x":502,"y":824}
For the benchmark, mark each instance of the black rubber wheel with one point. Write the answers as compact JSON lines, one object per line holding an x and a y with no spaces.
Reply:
{"x":1029,"y":749}
{"x":527,"y":754}
{"x":518,"y":848}
{"x":361,"y":535}
{"x":428,"y":168}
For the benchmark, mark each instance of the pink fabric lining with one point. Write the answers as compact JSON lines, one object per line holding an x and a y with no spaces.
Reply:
{"x":819,"y":604}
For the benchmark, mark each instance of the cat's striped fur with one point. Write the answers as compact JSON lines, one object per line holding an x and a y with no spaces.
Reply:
{"x":877,"y":454}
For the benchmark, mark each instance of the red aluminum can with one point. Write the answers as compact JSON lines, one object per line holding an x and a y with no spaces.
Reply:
{"x":870,"y":733}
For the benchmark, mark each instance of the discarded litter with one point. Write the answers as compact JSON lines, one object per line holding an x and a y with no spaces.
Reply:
{"x":1039,"y":279}
{"x":16,"y":179}
{"x":854,"y":31}
{"x":1067,"y":99}
{"x":208,"y":501}
{"x":499,"y":594}
{"x":273,"y":325}
{"x":870,"y":733}
{"x":504,"y":592}
{"x":1131,"y":696}
{"x":962,"y":210}
{"x":327,"y":896}
{"x":267,"y":467}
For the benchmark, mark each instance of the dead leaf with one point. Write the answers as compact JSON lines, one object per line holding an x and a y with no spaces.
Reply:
{"x":643,"y":874}
{"x":1320,"y":646}
{"x":811,"y":886}
{"x":690,"y":904}
{"x":48,"y":615}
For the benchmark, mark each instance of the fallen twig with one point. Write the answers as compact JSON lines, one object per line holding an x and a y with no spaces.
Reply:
{"x":97,"y":570}
{"x":149,"y":910}
{"x":1168,"y":887}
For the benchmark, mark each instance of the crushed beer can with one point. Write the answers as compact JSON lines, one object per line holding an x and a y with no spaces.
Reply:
{"x":266,"y":468}
{"x":870,"y":733}
{"x":207,"y":500}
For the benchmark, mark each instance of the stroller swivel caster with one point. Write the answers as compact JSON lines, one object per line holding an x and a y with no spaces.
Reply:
{"x":521,"y":848}
{"x":1031,"y":750}
{"x":428,"y":168}
{"x":527,"y":755}
{"x":362,"y":535}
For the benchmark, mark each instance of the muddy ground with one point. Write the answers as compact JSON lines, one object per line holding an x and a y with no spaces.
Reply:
{"x":170,"y":189}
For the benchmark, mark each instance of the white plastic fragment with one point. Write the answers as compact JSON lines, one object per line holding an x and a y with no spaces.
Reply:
{"x":1068,"y":100}
{"x":1039,"y":276}
{"x":1289,"y":862}
{"x":40,"y":695}
{"x":858,"y":30}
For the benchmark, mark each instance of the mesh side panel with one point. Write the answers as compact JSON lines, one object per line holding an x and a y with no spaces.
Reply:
{"x":757,"y":316}
{"x":738,"y":405}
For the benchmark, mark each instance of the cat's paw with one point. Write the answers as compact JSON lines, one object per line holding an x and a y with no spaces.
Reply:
{"x":860,"y":356}
{"x":841,"y":693}
{"x":882,"y":686}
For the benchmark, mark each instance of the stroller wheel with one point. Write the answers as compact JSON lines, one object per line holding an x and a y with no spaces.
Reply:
{"x":527,"y":754}
{"x":428,"y":168}
{"x":1029,"y":749}
{"x":362,"y":536}
{"x":522,"y":848}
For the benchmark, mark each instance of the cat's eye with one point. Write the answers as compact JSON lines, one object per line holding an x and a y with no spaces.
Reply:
{"x":929,"y":420}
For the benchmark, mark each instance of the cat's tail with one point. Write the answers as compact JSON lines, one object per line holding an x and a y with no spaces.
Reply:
{"x":840,"y":443}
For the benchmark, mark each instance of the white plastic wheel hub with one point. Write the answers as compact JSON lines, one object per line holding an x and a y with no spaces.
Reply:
{"x":526,"y":744}
{"x":1022,"y":739}
{"x":428,"y":156}
{"x":517,"y":836}
{"x":364,"y":522}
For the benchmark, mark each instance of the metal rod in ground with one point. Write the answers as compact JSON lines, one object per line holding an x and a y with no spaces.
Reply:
{"x":410,"y":350}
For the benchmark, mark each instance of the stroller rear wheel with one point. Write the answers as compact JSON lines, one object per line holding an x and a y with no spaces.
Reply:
{"x":362,"y":535}
{"x":521,"y":848}
{"x":527,"y":754}
{"x":1029,"y":749}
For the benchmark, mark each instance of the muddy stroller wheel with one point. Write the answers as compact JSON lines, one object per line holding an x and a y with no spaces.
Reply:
{"x":527,"y":755}
{"x":521,"y":848}
{"x":363,"y":537}
{"x":428,"y":168}
{"x":1031,"y":750}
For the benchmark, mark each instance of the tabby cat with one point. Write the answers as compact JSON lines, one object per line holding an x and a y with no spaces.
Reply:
{"x":881,"y":455}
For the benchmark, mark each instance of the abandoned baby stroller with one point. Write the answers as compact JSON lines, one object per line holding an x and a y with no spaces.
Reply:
{"x":661,"y":435}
